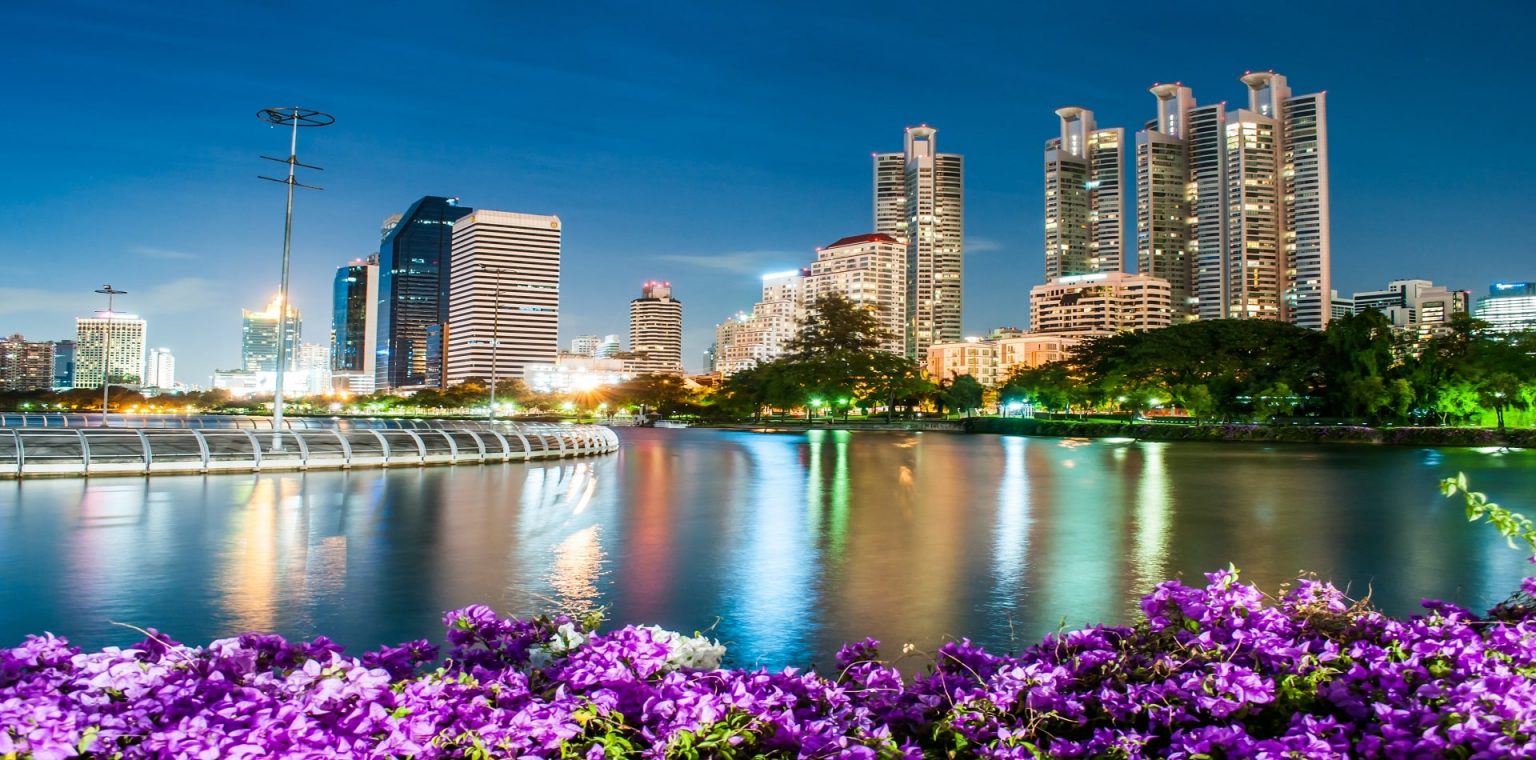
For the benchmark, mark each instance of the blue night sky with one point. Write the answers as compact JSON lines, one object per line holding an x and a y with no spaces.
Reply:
{"x":701,"y":143}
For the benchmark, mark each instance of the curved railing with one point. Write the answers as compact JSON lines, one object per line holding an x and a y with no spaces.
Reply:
{"x":79,"y":444}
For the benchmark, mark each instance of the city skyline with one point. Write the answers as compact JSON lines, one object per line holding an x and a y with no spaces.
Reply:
{"x":654,"y":170}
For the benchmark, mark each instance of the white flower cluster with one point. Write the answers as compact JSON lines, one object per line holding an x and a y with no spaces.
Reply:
{"x":692,"y":652}
{"x":565,"y":639}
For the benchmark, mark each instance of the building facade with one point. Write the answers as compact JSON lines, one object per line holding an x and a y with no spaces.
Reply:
{"x":1508,"y":307}
{"x":1030,"y":350}
{"x":585,"y":345}
{"x":920,"y":201}
{"x":414,"y":273}
{"x":763,"y":335}
{"x":109,"y":346}
{"x":354,"y":325}
{"x":1084,"y":204}
{"x":870,"y":270}
{"x":1413,"y":303}
{"x":1233,"y":206}
{"x":656,"y":330}
{"x":504,"y":295}
{"x":973,"y":356}
{"x":63,"y":365}
{"x":1102,"y":303}
{"x":160,"y":369}
{"x":259,"y":337}
{"x":25,"y":365}
{"x":1164,"y":198}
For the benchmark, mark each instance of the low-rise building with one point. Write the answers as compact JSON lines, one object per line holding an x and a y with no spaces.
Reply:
{"x":1101,"y":302}
{"x":575,"y":373}
{"x":977,"y":357}
{"x":1030,"y":350}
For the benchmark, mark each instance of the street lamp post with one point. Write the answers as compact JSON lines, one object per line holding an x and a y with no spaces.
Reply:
{"x":106,"y":349}
{"x":293,"y":117}
{"x":496,"y":273}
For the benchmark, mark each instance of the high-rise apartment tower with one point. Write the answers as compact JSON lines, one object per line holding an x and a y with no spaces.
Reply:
{"x":656,"y":330}
{"x":1084,"y":204}
{"x":920,"y":201}
{"x":1232,"y":206}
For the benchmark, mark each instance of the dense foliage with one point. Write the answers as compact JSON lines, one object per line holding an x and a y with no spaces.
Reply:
{"x":1218,"y":671}
{"x":1360,"y":368}
{"x":834,"y":363}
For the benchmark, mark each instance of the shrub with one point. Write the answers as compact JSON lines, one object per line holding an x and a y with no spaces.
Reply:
{"x":1218,"y":670}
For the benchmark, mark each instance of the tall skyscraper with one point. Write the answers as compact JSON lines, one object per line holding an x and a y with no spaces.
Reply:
{"x":63,"y":364}
{"x":25,"y":365}
{"x":160,"y":369}
{"x":354,"y":325}
{"x":259,"y":337}
{"x":1252,"y":188}
{"x":920,"y":200}
{"x":1084,"y":206}
{"x":504,"y":295}
{"x":866,"y":269}
{"x":414,"y":272}
{"x":656,"y":330}
{"x":125,"y":365}
{"x":1163,"y":199}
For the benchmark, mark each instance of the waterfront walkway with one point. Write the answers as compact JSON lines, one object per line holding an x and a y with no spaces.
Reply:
{"x":55,"y":445}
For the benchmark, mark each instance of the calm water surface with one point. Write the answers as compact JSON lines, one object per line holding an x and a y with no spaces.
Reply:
{"x":788,"y":544}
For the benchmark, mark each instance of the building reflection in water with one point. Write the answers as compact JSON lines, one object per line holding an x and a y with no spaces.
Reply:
{"x":1153,"y":512}
{"x":770,"y":603}
{"x":577,"y":564}
{"x":1010,"y":546}
{"x":796,"y":542}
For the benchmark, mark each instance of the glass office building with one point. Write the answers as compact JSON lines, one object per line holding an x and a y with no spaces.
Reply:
{"x":414,"y":266}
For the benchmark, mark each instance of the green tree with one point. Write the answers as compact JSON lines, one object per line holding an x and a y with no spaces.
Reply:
{"x":1275,"y":401}
{"x":1196,"y":399}
{"x":1500,"y":391}
{"x":836,"y":325}
{"x":963,"y":394}
{"x":1456,"y":402}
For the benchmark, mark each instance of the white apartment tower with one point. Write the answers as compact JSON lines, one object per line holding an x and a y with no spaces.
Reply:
{"x":1252,"y":188}
{"x":870,"y":270}
{"x":1164,"y":198}
{"x":1084,"y":204}
{"x":160,"y":369}
{"x":656,"y":330}
{"x":125,"y":344}
{"x":503,"y":295}
{"x":920,"y":201}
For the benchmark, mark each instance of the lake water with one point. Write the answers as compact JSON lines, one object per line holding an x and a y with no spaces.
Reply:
{"x":786,"y":544}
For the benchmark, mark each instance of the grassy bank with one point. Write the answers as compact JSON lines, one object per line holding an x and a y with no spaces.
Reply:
{"x":1403,"y":436}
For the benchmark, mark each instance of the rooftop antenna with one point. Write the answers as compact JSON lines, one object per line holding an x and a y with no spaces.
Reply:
{"x":293,"y":117}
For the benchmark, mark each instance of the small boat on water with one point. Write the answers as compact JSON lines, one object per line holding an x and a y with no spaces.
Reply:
{"x":670,"y":424}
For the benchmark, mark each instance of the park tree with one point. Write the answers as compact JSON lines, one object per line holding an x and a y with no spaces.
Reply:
{"x":963,"y":394}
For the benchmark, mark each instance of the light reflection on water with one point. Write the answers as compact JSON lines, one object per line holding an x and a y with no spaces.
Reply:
{"x":786,"y":544}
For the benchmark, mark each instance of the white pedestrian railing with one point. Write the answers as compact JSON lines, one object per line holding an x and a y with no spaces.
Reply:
{"x":63,"y":445}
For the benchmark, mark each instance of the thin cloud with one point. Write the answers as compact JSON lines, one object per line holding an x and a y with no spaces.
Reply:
{"x":741,"y":262}
{"x":165,"y":254}
{"x":975,"y":244}
{"x":179,"y":296}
